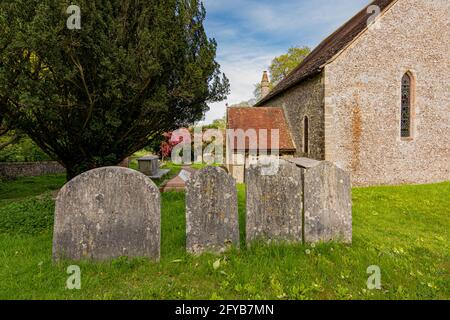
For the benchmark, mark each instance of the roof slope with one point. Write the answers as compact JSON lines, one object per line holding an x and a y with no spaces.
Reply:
{"x":261,"y":118}
{"x":325,"y":51}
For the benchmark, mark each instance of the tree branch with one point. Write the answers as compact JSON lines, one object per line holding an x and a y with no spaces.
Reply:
{"x":89,"y":96}
{"x":14,"y":139}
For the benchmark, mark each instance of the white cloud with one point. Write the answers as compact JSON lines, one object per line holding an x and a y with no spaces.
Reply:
{"x":250,"y":33}
{"x":243,"y":66}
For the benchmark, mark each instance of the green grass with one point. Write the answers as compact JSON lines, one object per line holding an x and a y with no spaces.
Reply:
{"x":404,"y":230}
{"x":30,"y":186}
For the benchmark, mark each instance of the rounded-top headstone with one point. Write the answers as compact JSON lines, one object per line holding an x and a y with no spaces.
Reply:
{"x":211,"y":212}
{"x":108,"y":213}
{"x":328,"y":204}
{"x":274,"y":203}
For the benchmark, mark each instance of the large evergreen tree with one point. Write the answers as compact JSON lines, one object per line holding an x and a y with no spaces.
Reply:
{"x":92,"y":97}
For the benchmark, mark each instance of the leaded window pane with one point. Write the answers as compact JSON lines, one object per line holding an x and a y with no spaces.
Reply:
{"x":406,"y":107}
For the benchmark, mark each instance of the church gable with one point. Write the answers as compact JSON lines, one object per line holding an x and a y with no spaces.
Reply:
{"x":387,"y":109}
{"x":328,"y":49}
{"x":372,"y":97}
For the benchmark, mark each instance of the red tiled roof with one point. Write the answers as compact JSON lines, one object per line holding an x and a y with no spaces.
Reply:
{"x":325,"y":51}
{"x":261,"y":118}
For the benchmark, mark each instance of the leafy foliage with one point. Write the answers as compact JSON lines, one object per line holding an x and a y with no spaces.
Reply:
{"x":8,"y":136}
{"x":168,"y":144}
{"x":282,"y":65}
{"x":33,"y":216}
{"x":22,"y":150}
{"x":220,"y":124}
{"x":94,"y":96}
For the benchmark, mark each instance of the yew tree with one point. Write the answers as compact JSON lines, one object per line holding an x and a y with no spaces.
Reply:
{"x":90,"y":97}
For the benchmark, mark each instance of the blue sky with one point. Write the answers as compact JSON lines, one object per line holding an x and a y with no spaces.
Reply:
{"x":250,"y":33}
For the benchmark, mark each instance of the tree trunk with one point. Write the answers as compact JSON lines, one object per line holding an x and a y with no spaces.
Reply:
{"x":75,"y":169}
{"x":70,"y":174}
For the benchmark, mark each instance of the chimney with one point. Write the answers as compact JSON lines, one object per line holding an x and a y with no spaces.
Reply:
{"x":265,"y":85}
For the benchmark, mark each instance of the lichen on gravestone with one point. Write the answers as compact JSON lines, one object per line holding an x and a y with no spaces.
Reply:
{"x":108,"y":213}
{"x":328,"y":204}
{"x":274,"y":204}
{"x":211,"y":212}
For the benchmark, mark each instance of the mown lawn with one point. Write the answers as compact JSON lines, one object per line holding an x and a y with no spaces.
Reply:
{"x":404,"y":230}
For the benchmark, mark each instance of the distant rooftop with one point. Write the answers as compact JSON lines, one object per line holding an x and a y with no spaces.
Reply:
{"x":261,"y":118}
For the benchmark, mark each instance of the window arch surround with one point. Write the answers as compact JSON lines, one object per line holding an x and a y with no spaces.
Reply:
{"x":407,"y":109}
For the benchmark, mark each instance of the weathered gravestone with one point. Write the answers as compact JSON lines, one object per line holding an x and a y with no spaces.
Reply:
{"x":107,"y":213}
{"x":211,"y":212}
{"x":327,"y":204}
{"x":274,"y":203}
{"x":149,"y":165}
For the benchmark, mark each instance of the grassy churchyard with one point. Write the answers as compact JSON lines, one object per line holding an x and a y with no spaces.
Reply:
{"x":404,"y":230}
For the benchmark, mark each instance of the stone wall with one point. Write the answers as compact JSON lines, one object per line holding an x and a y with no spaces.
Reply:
{"x":12,"y":170}
{"x":363,"y":98}
{"x":305,"y":99}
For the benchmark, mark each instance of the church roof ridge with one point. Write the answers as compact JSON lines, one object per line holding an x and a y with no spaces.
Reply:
{"x":314,"y":63}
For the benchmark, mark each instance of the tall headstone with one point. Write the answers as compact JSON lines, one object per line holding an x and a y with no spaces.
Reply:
{"x":328,"y":204}
{"x":274,"y":203}
{"x":107,"y":213}
{"x":212,"y":221}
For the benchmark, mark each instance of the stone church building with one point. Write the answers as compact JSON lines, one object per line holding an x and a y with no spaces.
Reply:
{"x":373,"y":97}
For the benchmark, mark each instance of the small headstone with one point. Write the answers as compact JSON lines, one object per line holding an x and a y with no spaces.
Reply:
{"x":175,"y":184}
{"x":107,"y":213}
{"x":185,"y":175}
{"x":211,"y":212}
{"x":178,"y":183}
{"x":328,"y":204}
{"x":274,"y":203}
{"x":149,"y":165}
{"x":304,"y":163}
